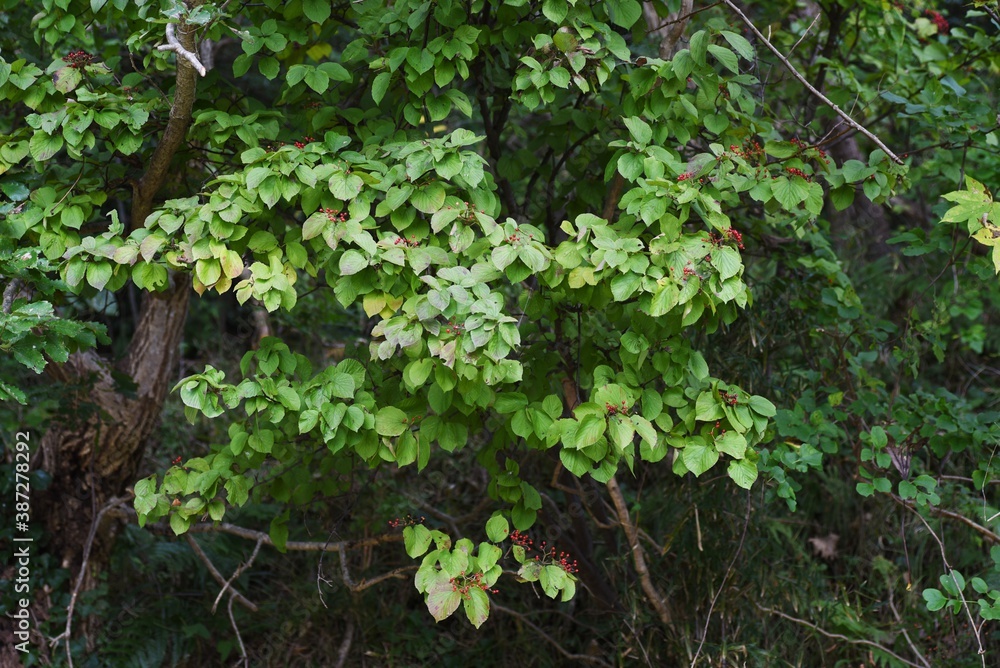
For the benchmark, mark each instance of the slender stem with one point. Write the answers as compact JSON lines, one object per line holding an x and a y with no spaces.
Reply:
{"x":722,"y":585}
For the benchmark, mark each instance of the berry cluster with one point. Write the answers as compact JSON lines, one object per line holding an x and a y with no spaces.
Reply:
{"x":795,"y":171}
{"x":724,"y":90}
{"x":335,"y":215}
{"x":409,"y":243}
{"x":453,"y":328}
{"x":407,"y":521}
{"x":302,"y":142}
{"x":685,"y":176}
{"x":939,"y":21}
{"x":717,"y":425}
{"x":802,"y":146}
{"x":78,"y":59}
{"x":751,"y":151}
{"x":463,"y":583}
{"x":718,"y":240}
{"x":177,"y":460}
{"x":547,"y":555}
{"x":612,"y":409}
{"x":730,"y":398}
{"x":689,"y":271}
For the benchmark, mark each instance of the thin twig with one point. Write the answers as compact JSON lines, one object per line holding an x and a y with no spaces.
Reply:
{"x":838,"y":636}
{"x":175,"y":46}
{"x":722,"y":585}
{"x":806,"y":33}
{"x":246,"y":603}
{"x":549,"y":639}
{"x":822,"y":98}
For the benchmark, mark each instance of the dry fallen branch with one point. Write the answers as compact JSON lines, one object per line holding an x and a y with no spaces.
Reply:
{"x":175,"y":46}
{"x":296,"y":545}
{"x":812,"y":89}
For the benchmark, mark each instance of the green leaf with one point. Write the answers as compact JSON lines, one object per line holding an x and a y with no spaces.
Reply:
{"x":699,"y":458}
{"x":761,"y":406}
{"x":380,"y":85}
{"x":590,"y":429}
{"x":639,"y":129}
{"x":497,"y":529}
{"x":416,"y":539}
{"x":732,"y":443}
{"x":624,"y":13}
{"x":935,"y":599}
{"x":317,"y":11}
{"x":726,"y":57}
{"x":790,"y":191}
{"x":390,"y":421}
{"x":428,"y":198}
{"x":442,"y":599}
{"x":739,"y":44}
{"x":43,"y":146}
{"x":743,"y":472}
{"x":555,"y":10}
{"x":98,"y":274}
{"x":351,"y":262}
{"x":477,"y":606}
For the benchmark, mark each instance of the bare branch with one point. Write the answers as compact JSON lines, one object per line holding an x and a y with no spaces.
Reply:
{"x":812,"y":89}
{"x":295,"y":545}
{"x":175,"y":46}
{"x":638,"y":556}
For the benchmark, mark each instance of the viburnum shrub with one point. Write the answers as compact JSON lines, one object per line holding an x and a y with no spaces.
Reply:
{"x":530,"y":210}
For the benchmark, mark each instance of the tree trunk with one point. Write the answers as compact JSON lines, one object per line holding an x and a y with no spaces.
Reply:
{"x":94,"y":455}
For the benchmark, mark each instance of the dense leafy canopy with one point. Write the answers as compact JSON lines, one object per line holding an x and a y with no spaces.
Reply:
{"x":522,"y":248}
